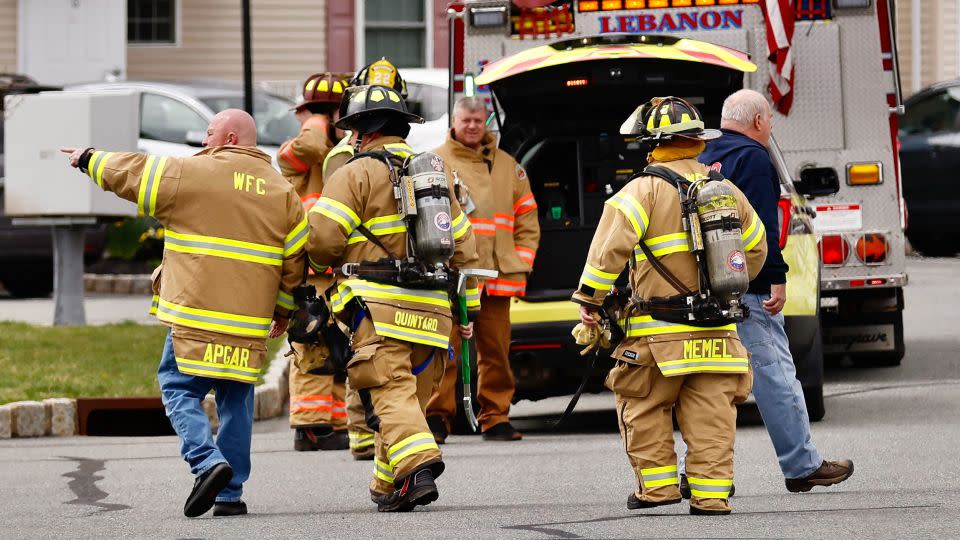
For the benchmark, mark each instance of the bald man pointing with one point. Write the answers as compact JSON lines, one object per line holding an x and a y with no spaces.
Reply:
{"x":233,"y":253}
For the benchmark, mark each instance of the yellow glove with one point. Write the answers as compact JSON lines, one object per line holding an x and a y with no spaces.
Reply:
{"x":591,"y":336}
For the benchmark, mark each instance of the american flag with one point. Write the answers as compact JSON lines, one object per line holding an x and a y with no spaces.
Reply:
{"x":779,"y":18}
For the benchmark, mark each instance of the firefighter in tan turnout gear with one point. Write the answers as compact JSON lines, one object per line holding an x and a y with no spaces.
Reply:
{"x":681,"y":348}
{"x":318,"y":409}
{"x":233,"y":253}
{"x":381,"y":72}
{"x":400,"y":333}
{"x":495,"y":193}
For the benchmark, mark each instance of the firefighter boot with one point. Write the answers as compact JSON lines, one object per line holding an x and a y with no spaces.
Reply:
{"x":206,"y":488}
{"x":308,"y":439}
{"x":709,"y":507}
{"x":234,"y":508}
{"x":828,"y":474}
{"x":416,"y":489}
{"x":635,"y":503}
{"x":438,"y":427}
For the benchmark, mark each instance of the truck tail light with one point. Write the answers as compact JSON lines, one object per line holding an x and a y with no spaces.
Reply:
{"x":784,"y":215}
{"x":864,"y":174}
{"x":834,"y":250}
{"x":871,"y":248}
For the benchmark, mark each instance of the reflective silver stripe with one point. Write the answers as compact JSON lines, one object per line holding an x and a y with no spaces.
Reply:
{"x":285,"y":300}
{"x":175,"y":241}
{"x":656,"y":247}
{"x":359,"y":286}
{"x":625,"y":204}
{"x":758,"y":229}
{"x":324,"y":207}
{"x":505,"y":288}
{"x":706,"y":487}
{"x":381,"y":468}
{"x":397,"y":332}
{"x":659,"y":476}
{"x":291,"y":244}
{"x":223,"y":370}
{"x":214,"y":320}
{"x":378,"y":229}
{"x":484,"y":227}
{"x":410,"y":444}
{"x":147,"y":194}
{"x":98,"y":156}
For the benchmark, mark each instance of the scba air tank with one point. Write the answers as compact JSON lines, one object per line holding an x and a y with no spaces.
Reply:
{"x":723,"y":244}
{"x":433,"y":227}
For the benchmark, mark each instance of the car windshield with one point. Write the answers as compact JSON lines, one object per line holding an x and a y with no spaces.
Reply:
{"x":275,"y":121}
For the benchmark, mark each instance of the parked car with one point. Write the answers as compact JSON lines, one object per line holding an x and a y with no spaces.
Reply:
{"x":26,"y":253}
{"x":174,"y":116}
{"x":929,"y":162}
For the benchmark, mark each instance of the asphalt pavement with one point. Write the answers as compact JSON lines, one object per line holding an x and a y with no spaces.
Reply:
{"x":899,"y":425}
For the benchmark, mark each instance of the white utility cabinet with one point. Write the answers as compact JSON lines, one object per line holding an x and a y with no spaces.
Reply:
{"x":39,"y":180}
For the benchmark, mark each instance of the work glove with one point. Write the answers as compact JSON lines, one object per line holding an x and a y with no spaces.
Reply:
{"x":592,"y":336}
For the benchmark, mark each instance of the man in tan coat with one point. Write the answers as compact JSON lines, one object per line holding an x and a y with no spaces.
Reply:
{"x":232,"y":224}
{"x":318,"y":409}
{"x":400,"y":334}
{"x":503,"y":215}
{"x":700,"y":368}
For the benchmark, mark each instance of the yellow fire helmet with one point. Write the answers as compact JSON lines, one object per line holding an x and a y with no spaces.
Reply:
{"x":663,"y":118}
{"x":381,"y":73}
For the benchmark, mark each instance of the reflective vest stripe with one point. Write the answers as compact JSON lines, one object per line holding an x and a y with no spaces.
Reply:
{"x":382,"y":470}
{"x":504,"y":287}
{"x":399,"y":149}
{"x":485,"y":227}
{"x":339,"y":409}
{"x":150,"y":184}
{"x":318,"y":268}
{"x":659,"y":476}
{"x":285,"y":300}
{"x":663,"y":245}
{"x":524,"y":204}
{"x":705,"y":365}
{"x":347,"y":290}
{"x":379,"y":226}
{"x":414,"y":444}
{"x":709,"y":488}
{"x":503,"y":221}
{"x":632,"y":210}
{"x":411,"y":334}
{"x":296,"y":238}
{"x":598,"y":279}
{"x":460,"y":225}
{"x":359,"y":439}
{"x":287,"y":154}
{"x":751,"y":236}
{"x":243,"y":325}
{"x":526,"y":254}
{"x":339,"y":212}
{"x":217,"y":371}
{"x":100,"y":166}
{"x":309,"y":200}
{"x":473,"y":297}
{"x":344,"y":147}
{"x":645,"y":325}
{"x":223,"y":247}
{"x":153,"y":304}
{"x":96,"y":164}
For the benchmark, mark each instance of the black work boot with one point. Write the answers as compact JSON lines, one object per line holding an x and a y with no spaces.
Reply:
{"x":828,"y":474}
{"x":634,"y":502}
{"x":416,"y":489}
{"x":503,"y":431}
{"x":235,"y":508}
{"x":308,"y":439}
{"x":438,"y":428}
{"x":206,"y":488}
{"x":363,"y":454}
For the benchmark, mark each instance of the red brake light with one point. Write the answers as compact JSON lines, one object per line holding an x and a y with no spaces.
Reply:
{"x":785,"y":214}
{"x":834,"y":250}
{"x":571,"y":83}
{"x":872,"y":248}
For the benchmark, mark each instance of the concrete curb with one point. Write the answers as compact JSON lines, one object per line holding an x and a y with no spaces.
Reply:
{"x":58,"y":416}
{"x":117,"y":283}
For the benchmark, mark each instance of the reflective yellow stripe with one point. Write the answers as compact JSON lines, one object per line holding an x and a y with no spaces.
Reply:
{"x":659,"y":476}
{"x":399,"y":149}
{"x":360,"y":440}
{"x":709,"y":488}
{"x":632,"y":210}
{"x":142,"y":203}
{"x":100,"y":167}
{"x":411,"y":334}
{"x":153,"y":304}
{"x":598,"y":279}
{"x":98,"y":160}
{"x":414,"y":444}
{"x":663,"y":245}
{"x":230,"y":323}
{"x":155,"y":185}
{"x":383,"y":470}
{"x":707,"y":365}
{"x":379,"y":226}
{"x":645,"y":325}
{"x":223,"y":247}
{"x":473,"y":297}
{"x":218,"y":371}
{"x":350,"y":288}
{"x":339,"y":212}
{"x":460,"y":225}
{"x":340,"y":148}
{"x":296,"y":238}
{"x":751,"y":236}
{"x":285,"y":300}
{"x":318,"y":268}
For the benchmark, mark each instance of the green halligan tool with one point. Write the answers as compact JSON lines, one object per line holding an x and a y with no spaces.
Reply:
{"x":465,"y":343}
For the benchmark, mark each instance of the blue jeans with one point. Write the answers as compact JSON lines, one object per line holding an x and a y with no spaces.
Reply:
{"x":777,"y":391}
{"x":182,"y":396}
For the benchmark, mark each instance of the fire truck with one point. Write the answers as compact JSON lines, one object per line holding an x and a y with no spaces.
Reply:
{"x":561,"y":76}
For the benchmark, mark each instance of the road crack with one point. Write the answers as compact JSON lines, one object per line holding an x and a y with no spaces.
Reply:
{"x":84,"y":485}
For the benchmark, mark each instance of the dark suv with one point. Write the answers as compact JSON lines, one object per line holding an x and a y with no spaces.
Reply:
{"x":26,"y":253}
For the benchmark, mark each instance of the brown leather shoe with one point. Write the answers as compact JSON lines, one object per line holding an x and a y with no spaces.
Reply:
{"x":502,"y":432}
{"x":829,"y":473}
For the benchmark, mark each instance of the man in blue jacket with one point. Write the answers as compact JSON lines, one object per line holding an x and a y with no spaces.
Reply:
{"x":741,"y":155}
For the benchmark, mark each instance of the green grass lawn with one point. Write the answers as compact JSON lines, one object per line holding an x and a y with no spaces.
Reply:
{"x":116,"y":360}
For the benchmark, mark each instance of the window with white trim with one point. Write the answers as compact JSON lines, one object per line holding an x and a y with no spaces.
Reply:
{"x":152,"y":22}
{"x":396,"y":29}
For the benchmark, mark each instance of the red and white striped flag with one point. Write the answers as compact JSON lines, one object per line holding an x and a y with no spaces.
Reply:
{"x":779,"y":17}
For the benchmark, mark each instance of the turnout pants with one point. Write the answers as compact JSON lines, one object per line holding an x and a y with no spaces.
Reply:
{"x":707,"y":415}
{"x":361,"y":436}
{"x":385,"y":367}
{"x":495,"y":382}
{"x":315,"y":399}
